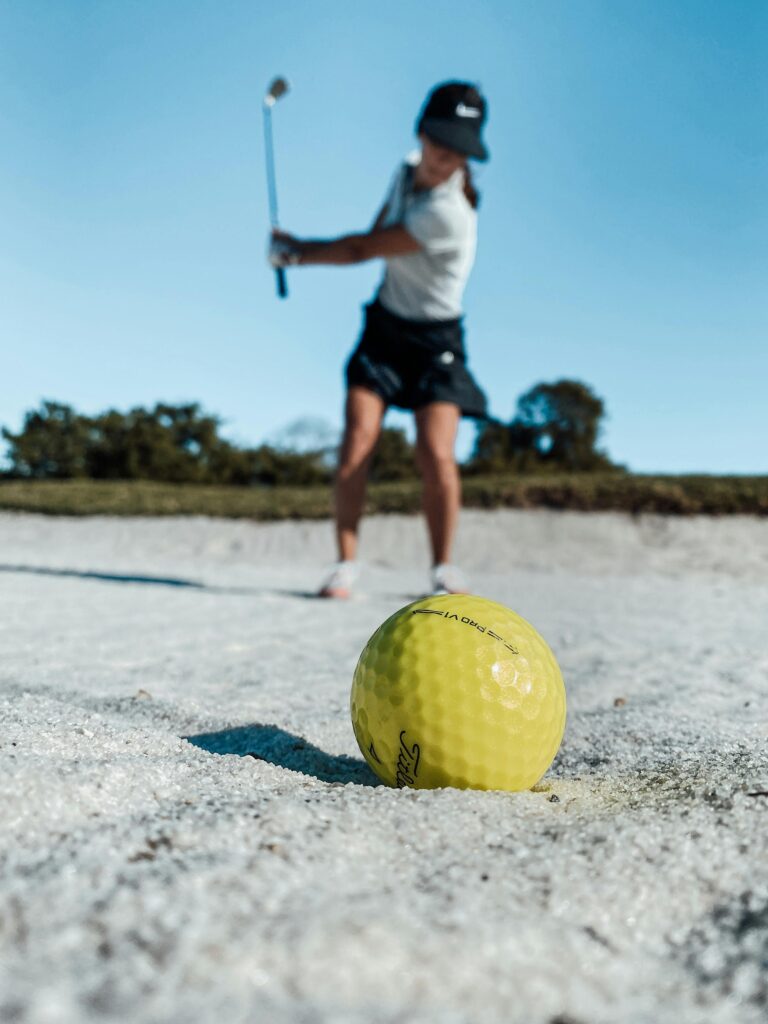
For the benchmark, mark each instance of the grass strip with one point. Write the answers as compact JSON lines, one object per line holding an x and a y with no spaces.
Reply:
{"x":584,"y":492}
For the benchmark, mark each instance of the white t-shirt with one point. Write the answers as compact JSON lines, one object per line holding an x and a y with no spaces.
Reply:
{"x":429,"y":284}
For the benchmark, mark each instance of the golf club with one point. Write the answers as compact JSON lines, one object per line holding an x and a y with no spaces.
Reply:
{"x":277,"y":89}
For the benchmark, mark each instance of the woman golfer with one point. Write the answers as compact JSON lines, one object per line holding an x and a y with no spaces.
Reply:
{"x":411,"y":351}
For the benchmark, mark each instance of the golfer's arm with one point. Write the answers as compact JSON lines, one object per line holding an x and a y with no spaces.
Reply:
{"x":379,"y":222}
{"x":378,"y":242}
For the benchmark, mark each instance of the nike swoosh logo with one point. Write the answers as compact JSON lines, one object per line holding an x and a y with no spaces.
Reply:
{"x":464,"y":111}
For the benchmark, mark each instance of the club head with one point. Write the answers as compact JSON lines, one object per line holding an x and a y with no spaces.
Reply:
{"x":278,"y":88}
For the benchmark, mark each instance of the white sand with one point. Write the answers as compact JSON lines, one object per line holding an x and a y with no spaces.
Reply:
{"x":146,"y":878}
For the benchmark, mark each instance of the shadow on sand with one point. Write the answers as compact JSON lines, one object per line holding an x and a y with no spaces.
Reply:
{"x":157,"y":581}
{"x":276,"y":746}
{"x":106,"y":577}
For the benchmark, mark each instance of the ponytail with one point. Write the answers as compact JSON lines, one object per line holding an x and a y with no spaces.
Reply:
{"x":473,"y":196}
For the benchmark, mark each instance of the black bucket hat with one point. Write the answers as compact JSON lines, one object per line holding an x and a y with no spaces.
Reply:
{"x":453,"y":116}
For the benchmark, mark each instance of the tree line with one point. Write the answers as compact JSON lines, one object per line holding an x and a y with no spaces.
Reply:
{"x":555,"y":428}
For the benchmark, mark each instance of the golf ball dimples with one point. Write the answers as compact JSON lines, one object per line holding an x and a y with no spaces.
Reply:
{"x":456,"y":690}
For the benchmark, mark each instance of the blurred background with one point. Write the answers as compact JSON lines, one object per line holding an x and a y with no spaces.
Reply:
{"x":623,"y":222}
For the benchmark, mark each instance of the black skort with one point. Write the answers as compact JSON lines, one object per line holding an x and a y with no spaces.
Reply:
{"x":410,"y":363}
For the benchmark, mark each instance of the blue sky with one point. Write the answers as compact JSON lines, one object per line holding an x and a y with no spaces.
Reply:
{"x":623,"y":230}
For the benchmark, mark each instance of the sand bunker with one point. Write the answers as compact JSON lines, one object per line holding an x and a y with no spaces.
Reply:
{"x":189,"y":833}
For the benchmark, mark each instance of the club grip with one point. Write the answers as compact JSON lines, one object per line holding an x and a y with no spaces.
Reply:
{"x":282,"y":283}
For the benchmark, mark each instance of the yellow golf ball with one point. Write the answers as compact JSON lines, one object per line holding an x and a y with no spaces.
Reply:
{"x":458,"y":691}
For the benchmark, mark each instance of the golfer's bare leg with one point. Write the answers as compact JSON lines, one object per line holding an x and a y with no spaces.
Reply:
{"x":363,"y":416}
{"x":436,"y":427}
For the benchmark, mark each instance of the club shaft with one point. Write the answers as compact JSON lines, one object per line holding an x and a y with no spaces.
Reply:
{"x":270,"y":155}
{"x":269,"y":149}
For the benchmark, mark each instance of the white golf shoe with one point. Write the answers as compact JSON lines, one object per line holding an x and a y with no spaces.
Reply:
{"x":448,"y":579}
{"x":340,"y":580}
